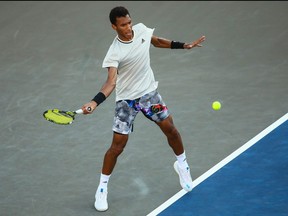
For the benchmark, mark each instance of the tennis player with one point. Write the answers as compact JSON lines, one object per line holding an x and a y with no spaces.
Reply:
{"x":130,"y":73}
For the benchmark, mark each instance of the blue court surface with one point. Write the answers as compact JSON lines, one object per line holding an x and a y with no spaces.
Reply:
{"x":253,"y":180}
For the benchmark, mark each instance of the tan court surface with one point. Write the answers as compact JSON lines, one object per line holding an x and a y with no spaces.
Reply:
{"x":50,"y":57}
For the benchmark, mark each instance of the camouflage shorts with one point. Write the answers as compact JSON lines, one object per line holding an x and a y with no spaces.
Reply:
{"x":151,"y":105}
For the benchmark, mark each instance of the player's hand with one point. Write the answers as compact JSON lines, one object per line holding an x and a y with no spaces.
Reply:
{"x":196,"y":43}
{"x":88,"y":108}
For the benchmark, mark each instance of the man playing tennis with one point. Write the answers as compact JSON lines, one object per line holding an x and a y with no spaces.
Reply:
{"x":129,"y":71}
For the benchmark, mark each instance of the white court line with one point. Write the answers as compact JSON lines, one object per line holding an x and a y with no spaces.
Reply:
{"x":220,"y":164}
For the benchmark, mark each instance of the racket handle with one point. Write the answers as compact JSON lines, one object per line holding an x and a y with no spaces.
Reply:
{"x":80,"y":111}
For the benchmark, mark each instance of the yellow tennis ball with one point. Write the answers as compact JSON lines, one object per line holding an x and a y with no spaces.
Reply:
{"x":216,"y":105}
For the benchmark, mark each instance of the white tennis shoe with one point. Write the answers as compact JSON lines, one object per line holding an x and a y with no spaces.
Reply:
{"x":184,"y":177}
{"x":101,"y":203}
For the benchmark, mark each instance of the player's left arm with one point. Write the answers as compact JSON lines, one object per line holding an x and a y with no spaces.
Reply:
{"x":166,"y":43}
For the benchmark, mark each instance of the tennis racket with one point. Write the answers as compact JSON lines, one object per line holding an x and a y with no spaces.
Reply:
{"x":62,"y":117}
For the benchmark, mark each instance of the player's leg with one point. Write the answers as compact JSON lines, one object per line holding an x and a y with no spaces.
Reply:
{"x":154,"y":108}
{"x":173,"y":136}
{"x":122,"y":126}
{"x":175,"y":141}
{"x":118,"y":144}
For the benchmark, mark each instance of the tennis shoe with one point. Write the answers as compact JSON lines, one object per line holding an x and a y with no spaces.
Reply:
{"x":101,"y":203}
{"x":184,"y":177}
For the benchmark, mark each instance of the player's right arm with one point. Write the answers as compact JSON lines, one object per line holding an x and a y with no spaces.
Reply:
{"x":107,"y":88}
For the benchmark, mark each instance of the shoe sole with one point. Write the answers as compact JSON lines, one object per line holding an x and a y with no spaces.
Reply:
{"x":100,"y":210}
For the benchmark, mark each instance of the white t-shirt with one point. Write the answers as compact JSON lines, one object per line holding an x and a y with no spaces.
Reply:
{"x":132,"y":59}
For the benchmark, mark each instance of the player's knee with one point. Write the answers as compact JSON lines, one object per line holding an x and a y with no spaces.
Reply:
{"x":116,"y":150}
{"x":173,"y":132}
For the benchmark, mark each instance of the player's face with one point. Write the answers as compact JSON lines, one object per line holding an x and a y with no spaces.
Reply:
{"x":123,"y":28}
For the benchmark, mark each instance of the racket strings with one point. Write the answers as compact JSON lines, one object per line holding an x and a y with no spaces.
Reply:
{"x":67,"y":114}
{"x":59,"y":117}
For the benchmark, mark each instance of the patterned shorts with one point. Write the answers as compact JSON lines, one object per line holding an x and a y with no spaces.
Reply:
{"x":151,"y":105}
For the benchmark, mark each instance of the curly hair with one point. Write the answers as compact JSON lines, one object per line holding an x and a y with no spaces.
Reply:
{"x":119,"y":11}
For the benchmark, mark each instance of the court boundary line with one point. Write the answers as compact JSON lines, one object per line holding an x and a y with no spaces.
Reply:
{"x":221,"y":164}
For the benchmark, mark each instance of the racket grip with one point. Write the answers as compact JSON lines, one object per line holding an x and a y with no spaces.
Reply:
{"x":80,"y":111}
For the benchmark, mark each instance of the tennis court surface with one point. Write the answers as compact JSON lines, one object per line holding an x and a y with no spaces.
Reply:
{"x":51,"y":53}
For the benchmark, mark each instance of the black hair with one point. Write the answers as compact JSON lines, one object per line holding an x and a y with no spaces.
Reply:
{"x":119,"y":11}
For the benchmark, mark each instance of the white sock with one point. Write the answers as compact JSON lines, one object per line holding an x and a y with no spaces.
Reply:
{"x":104,"y":179}
{"x":182,"y":161}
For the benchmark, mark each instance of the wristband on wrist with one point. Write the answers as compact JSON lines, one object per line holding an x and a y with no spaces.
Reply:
{"x":177,"y":45}
{"x":99,"y":98}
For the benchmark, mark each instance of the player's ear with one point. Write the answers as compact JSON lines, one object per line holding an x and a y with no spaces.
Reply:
{"x":114,"y":27}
